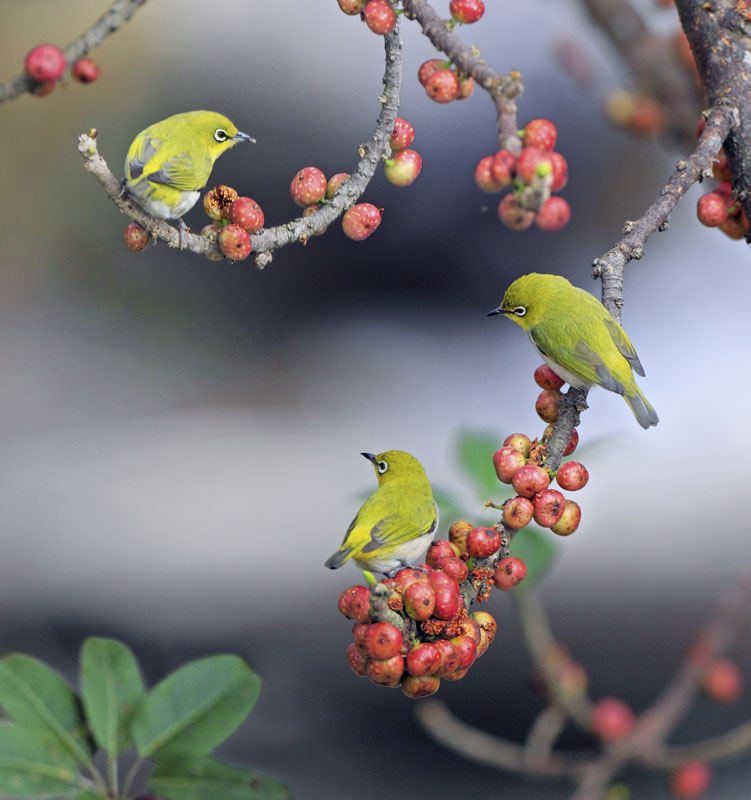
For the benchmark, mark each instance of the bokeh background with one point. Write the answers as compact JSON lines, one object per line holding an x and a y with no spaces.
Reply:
{"x":179,"y":438}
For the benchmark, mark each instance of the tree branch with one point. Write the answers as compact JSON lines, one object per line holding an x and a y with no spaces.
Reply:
{"x":110,"y":22}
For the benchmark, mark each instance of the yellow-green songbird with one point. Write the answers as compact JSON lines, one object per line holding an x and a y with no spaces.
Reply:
{"x":169,"y":163}
{"x":396,"y":523}
{"x":578,"y":337}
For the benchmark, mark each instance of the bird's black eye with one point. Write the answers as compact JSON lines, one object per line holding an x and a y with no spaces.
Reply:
{"x":221,"y":135}
{"x":520,"y":311}
{"x":382,"y":467}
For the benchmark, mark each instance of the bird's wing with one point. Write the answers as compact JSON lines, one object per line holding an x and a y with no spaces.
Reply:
{"x":139,"y":155}
{"x":390,"y":529}
{"x":623,"y":343}
{"x":181,"y":172}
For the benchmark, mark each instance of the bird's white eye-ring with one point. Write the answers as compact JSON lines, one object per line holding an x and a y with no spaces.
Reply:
{"x":382,"y":467}
{"x":520,"y":311}
{"x":221,"y":135}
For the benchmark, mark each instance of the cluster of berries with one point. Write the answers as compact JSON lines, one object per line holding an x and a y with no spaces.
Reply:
{"x":378,"y":15}
{"x":403,"y":165}
{"x":518,"y":462}
{"x":536,"y":160}
{"x":718,"y":208}
{"x":46,"y":64}
{"x":443,"y":83}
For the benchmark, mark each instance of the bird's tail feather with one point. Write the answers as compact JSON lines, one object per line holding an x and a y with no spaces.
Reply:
{"x":645,"y":415}
{"x":341,"y":555}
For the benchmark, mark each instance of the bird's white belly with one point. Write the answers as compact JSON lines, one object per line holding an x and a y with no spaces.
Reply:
{"x":160,"y":209}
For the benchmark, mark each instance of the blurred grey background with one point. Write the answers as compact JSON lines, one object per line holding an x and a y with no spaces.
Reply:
{"x":179,"y":438}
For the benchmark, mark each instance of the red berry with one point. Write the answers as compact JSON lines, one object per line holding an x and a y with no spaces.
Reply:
{"x":513,"y":216}
{"x":454,"y":567}
{"x":442,"y":86}
{"x":357,"y":660}
{"x":458,"y":534}
{"x":387,"y":672}
{"x":529,"y":480}
{"x":45,"y":62}
{"x":234,"y":242}
{"x":406,"y":576}
{"x":211,"y":232}
{"x":483,"y":542}
{"x":554,"y":214}
{"x":353,"y":603}
{"x":572,"y":476}
{"x":419,"y":600}
{"x":414,"y":687}
{"x":424,"y":659}
{"x":449,"y":657}
{"x":136,"y":238}
{"x":487,"y":623}
{"x":507,"y":461}
{"x":540,"y":133}
{"x":85,"y":70}
{"x":502,"y":170}
{"x":379,"y":16}
{"x":711,"y":209}
{"x":545,"y":378}
{"x":440,"y":548}
{"x":308,"y":187}
{"x":466,"y":648}
{"x":352,"y":7}
{"x":569,"y":520}
{"x":560,"y":171}
{"x":734,"y":227}
{"x":466,"y":87}
{"x":721,"y":168}
{"x":572,"y":442}
{"x":438,"y":578}
{"x":359,"y":632}
{"x":509,"y":572}
{"x":246,"y":213}
{"x":546,"y":404}
{"x":403,"y":167}
{"x":448,"y":602}
{"x":612,"y":719}
{"x":723,"y":681}
{"x":690,"y":780}
{"x":549,"y":505}
{"x":517,"y":512}
{"x":218,"y":201}
{"x":457,"y":674}
{"x":530,"y":160}
{"x":519,"y":441}
{"x":470,"y":627}
{"x":383,"y":640}
{"x":427,"y":68}
{"x":403,"y":134}
{"x":466,"y":11}
{"x":361,"y":220}
{"x":484,"y":176}
{"x":648,"y":117}
{"x":334,"y":182}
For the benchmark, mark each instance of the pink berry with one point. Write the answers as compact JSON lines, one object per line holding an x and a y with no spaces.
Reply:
{"x":386,"y":672}
{"x":403,"y":167}
{"x":572,"y":476}
{"x":723,"y":681}
{"x":540,"y":133}
{"x":403,"y":134}
{"x":352,"y":7}
{"x":442,"y":86}
{"x":449,"y":657}
{"x":612,"y":719}
{"x":246,"y":213}
{"x":354,"y":603}
{"x":690,"y":780}
{"x":454,"y":567}
{"x":466,"y":11}
{"x":545,"y":378}
{"x":427,"y":68}
{"x":334,"y":182}
{"x":484,"y":176}
{"x":531,"y":159}
{"x":466,"y":647}
{"x":234,"y":242}
{"x":517,"y":512}
{"x":379,"y":16}
{"x":519,"y":441}
{"x":546,"y":405}
{"x":308,"y":187}
{"x":569,"y":520}
{"x":419,"y":600}
{"x":441,"y":548}
{"x":711,"y":209}
{"x":136,"y":238}
{"x":361,"y":220}
{"x":357,"y":660}
{"x":466,"y":87}
{"x":45,"y":62}
{"x":548,"y":506}
{"x":448,"y":602}
{"x":554,"y":214}
{"x":560,"y":171}
{"x":507,"y":461}
{"x":504,"y":162}
{"x":509,"y":572}
{"x":85,"y":70}
{"x":483,"y":542}
{"x":513,"y":216}
{"x":383,"y":640}
{"x":529,"y":480}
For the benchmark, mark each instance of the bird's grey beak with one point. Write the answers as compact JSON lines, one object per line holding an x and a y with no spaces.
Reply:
{"x":244,"y":137}
{"x":370,"y":456}
{"x":495,"y":311}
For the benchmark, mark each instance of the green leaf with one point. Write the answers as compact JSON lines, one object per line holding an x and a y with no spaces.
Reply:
{"x":35,"y":696}
{"x":536,"y":549}
{"x":476,"y":459}
{"x":34,"y":764}
{"x":184,"y":777}
{"x":111,"y":687}
{"x":196,"y":707}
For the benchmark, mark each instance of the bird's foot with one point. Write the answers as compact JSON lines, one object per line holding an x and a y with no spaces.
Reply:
{"x":574,"y":398}
{"x":183,"y":229}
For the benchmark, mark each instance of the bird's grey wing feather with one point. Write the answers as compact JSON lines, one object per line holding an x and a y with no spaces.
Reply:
{"x":622,"y":342}
{"x":180,"y":172}
{"x":604,"y":377}
{"x":135,"y":164}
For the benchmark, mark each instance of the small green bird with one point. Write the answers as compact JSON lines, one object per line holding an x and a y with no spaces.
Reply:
{"x":169,"y":163}
{"x":578,"y":337}
{"x":396,"y":523}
